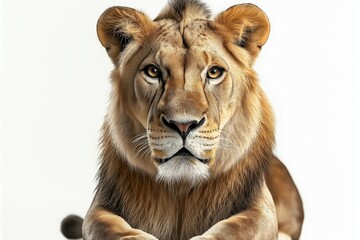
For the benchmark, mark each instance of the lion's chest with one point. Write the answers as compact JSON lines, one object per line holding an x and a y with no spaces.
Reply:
{"x":176,"y":216}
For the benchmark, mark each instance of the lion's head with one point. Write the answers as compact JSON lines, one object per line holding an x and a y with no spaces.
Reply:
{"x":186,"y":105}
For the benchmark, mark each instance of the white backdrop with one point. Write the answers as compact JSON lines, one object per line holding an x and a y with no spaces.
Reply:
{"x":54,"y":90}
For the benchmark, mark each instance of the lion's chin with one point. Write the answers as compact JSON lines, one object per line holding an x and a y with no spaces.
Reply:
{"x":183,"y":169}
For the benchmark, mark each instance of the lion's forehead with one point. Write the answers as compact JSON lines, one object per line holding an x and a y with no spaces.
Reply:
{"x":198,"y":34}
{"x":173,"y":36}
{"x":168,"y":34}
{"x":175,"y":45}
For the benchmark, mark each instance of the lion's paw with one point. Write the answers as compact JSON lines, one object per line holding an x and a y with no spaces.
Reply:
{"x":140,"y":236}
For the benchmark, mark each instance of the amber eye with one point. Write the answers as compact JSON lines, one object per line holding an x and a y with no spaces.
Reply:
{"x":152,"y":71}
{"x":215,"y":72}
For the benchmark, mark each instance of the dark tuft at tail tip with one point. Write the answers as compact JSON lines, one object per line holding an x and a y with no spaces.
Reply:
{"x":71,"y":227}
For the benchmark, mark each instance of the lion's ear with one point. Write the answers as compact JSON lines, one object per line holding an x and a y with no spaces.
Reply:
{"x":118,"y":26}
{"x":248,"y":26}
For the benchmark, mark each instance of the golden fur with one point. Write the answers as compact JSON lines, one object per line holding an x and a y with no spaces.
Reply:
{"x":189,"y":133}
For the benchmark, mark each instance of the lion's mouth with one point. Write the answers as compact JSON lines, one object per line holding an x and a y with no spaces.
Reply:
{"x":181,"y":153}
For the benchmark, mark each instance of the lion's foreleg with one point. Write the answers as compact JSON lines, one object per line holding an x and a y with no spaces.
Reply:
{"x":257,"y":223}
{"x":102,"y":224}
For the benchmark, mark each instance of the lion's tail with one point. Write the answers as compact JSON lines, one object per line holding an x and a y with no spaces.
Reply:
{"x":71,"y":227}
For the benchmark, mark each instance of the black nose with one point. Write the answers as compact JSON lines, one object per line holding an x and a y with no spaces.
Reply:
{"x":183,"y":128}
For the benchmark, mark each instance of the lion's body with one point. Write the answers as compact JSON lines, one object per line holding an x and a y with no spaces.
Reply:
{"x":189,"y":133}
{"x":175,"y":212}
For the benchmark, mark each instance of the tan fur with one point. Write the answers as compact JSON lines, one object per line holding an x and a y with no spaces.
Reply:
{"x":289,"y":209}
{"x":149,"y":190}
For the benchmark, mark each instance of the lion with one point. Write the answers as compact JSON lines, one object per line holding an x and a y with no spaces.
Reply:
{"x":187,"y":141}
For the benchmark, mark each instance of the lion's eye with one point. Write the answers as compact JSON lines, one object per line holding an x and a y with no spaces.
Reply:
{"x":152,"y":71}
{"x":215,"y":72}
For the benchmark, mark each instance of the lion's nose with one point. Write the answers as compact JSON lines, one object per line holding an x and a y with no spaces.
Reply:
{"x":183,"y":128}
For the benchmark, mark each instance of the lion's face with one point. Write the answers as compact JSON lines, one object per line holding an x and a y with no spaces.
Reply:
{"x":186,"y":86}
{"x":185,"y":102}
